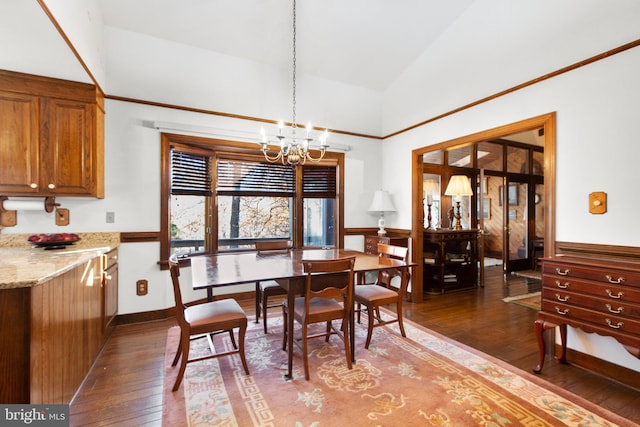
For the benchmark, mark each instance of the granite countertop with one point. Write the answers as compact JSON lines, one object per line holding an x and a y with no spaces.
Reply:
{"x":22,"y":265}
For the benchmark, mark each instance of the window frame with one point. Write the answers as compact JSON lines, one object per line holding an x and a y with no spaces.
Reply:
{"x":242,"y":150}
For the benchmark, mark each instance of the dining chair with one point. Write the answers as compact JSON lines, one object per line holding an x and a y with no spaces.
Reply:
{"x":269,"y":288}
{"x":373,"y":296}
{"x":328,"y":296}
{"x":202,"y":320}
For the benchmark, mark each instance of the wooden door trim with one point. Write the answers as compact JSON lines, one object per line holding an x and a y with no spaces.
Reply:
{"x":545,"y":121}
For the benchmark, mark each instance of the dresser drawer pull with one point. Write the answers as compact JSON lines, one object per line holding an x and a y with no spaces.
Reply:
{"x":563,"y":312}
{"x":620,"y":294}
{"x":616,"y":281}
{"x":563,"y":286}
{"x":615,"y":311}
{"x":565,"y":299}
{"x":563,"y":272}
{"x":616,"y":326}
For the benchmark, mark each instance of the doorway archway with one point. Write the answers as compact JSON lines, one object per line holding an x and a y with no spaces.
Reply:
{"x":548,"y":124}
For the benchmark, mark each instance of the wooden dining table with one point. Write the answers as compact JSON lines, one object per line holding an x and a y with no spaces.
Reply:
{"x":214,"y":271}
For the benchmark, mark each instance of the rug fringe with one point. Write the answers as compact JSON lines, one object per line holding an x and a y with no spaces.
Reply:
{"x":517,"y":297}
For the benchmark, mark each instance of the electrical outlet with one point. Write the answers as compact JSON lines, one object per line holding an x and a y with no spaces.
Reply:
{"x":142,"y":287}
{"x":111,"y":217}
{"x":62,"y":216}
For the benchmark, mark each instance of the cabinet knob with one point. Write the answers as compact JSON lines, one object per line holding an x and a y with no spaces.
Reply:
{"x":33,"y":185}
{"x":51,"y":186}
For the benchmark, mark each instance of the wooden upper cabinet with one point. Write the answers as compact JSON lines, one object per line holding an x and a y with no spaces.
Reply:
{"x":51,"y":137}
{"x":19,"y":143}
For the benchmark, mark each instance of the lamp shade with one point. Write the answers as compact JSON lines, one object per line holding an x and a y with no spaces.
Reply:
{"x":459,"y":185}
{"x":430,"y":187}
{"x":381,"y":202}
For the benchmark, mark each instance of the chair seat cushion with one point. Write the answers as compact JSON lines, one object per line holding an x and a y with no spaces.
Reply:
{"x":316,"y":306}
{"x":373,"y":293}
{"x":215,"y":311}
{"x":271,"y":286}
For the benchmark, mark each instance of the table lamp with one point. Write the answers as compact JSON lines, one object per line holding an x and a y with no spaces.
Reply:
{"x":381,"y":203}
{"x":459,"y":186}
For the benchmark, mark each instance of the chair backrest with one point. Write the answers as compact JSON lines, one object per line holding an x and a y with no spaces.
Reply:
{"x":394,"y":252}
{"x":174,"y":268}
{"x":273,"y":245}
{"x":329,"y":278}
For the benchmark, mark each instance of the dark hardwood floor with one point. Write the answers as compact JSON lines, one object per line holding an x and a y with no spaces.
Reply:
{"x":125,"y":386}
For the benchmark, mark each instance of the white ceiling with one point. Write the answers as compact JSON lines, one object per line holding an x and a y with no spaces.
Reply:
{"x":367,"y":43}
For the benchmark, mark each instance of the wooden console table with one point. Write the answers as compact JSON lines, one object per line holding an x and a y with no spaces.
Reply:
{"x":450,"y":260}
{"x":592,"y":294}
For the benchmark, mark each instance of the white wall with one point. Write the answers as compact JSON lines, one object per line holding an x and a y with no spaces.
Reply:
{"x":498,"y":44}
{"x":596,"y":150}
{"x":148,"y":68}
{"x":490,"y":49}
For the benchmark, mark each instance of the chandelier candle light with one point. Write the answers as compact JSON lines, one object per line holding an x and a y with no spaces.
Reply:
{"x":430,"y":187}
{"x":381,"y":203}
{"x":459,"y":186}
{"x":293,"y":150}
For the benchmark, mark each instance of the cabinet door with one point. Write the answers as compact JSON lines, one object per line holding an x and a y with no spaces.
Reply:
{"x":110,"y":295}
{"x":19,"y":143}
{"x":67,"y":145}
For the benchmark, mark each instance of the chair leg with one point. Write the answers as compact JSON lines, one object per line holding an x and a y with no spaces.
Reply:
{"x":400,"y":322}
{"x":265,"y":301}
{"x":184,"y":342}
{"x":257,"y":302}
{"x":347,"y":346}
{"x":328,"y":331}
{"x":305,"y":355}
{"x":178,"y":352}
{"x":359,"y":310}
{"x":241,"y":333}
{"x":233,"y":339}
{"x":370,"y":315}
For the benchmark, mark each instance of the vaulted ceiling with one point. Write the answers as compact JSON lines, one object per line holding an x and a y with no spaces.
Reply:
{"x":366,"y":43}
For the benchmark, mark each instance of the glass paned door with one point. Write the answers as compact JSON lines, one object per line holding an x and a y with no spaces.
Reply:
{"x":515,"y":201}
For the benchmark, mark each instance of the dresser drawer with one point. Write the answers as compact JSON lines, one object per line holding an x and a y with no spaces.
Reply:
{"x":607,"y":306}
{"x":371,"y":242}
{"x":614,"y":323}
{"x":612,"y":292}
{"x":611,"y":273}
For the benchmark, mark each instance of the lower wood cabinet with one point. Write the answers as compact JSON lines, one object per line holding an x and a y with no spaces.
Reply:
{"x":50,"y":336}
{"x":450,"y":260}
{"x":110,"y":289}
{"x":595,"y":295}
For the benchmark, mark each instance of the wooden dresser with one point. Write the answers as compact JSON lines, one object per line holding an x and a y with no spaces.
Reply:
{"x":595,"y":295}
{"x":371,"y":242}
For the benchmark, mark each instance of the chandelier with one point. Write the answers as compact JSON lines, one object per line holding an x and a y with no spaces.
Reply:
{"x":293,"y":149}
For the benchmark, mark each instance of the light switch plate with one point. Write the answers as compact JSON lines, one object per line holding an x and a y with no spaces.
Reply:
{"x":598,"y":202}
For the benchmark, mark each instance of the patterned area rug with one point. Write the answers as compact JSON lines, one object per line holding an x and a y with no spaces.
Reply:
{"x":532,"y":300}
{"x":425,"y":379}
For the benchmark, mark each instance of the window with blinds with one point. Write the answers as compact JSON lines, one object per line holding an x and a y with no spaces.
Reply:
{"x":319,"y":181}
{"x":224,"y":196}
{"x":190,"y":174}
{"x":242,"y":177}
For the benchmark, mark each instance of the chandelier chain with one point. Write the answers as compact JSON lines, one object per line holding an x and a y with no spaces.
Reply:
{"x":292,"y":151}
{"x":294,"y":123}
